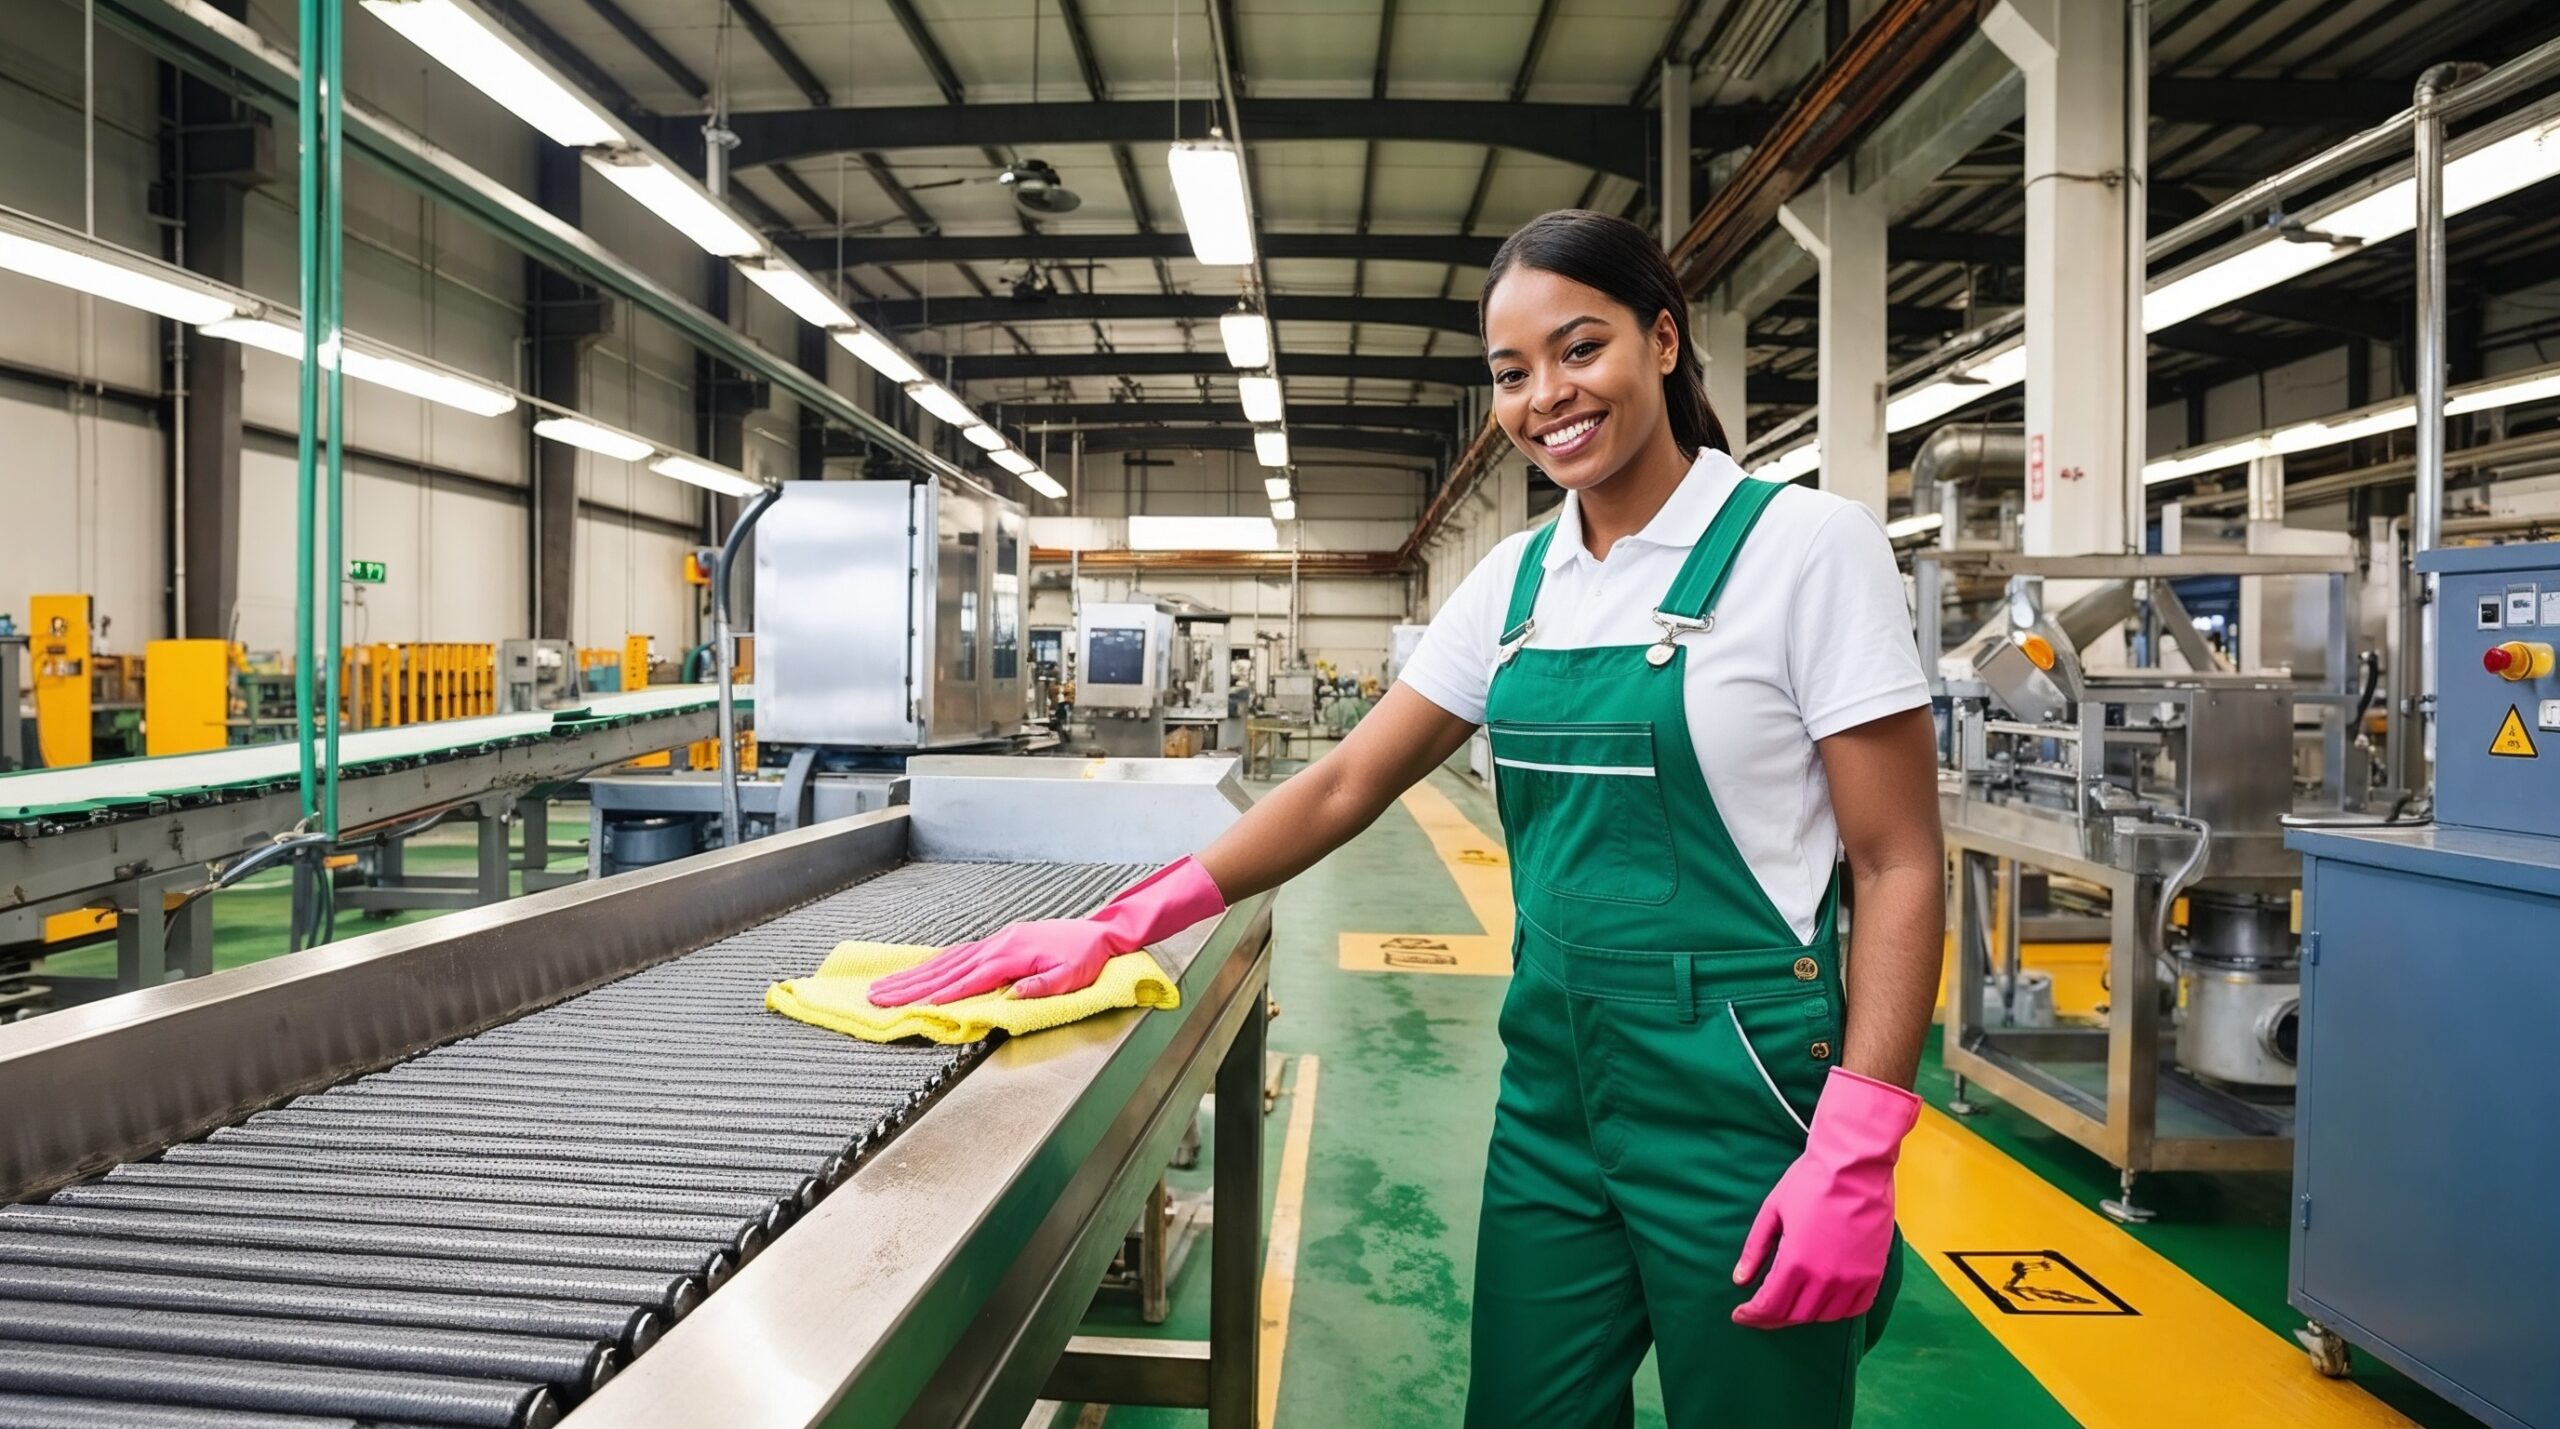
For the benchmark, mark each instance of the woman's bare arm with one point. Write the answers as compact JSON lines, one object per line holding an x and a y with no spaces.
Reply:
{"x":1319,"y":809}
{"x":1884,"y":792}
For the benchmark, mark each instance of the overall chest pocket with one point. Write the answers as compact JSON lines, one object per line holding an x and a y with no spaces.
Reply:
{"x":1582,"y":806}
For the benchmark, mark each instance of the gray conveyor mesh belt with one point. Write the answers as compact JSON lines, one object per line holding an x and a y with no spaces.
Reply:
{"x":478,"y":1235}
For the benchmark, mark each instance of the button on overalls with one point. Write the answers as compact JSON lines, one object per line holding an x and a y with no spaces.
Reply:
{"x":1667,"y":1035}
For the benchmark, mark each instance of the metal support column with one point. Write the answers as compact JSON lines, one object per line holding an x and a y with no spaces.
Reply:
{"x":2079,"y":322}
{"x":1724,"y":340}
{"x":565,"y":319}
{"x":1235,"y":1241}
{"x":222,"y":150}
{"x":1671,"y":198}
{"x":151,"y":945}
{"x":1844,"y":231}
{"x":495,"y":877}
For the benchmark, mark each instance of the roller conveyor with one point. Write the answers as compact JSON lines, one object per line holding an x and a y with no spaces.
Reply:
{"x":631,"y":1259}
{"x":555,"y":1158}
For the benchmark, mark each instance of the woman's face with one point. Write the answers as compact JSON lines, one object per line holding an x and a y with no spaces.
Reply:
{"x":1577,"y":378}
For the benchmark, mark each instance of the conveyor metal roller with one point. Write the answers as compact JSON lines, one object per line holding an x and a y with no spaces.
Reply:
{"x":45,"y":1411}
{"x":576,"y":1366}
{"x":222,"y":1383}
{"x":480,"y":1234}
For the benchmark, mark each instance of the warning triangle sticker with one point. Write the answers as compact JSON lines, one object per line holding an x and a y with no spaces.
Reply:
{"x":2513,"y":739}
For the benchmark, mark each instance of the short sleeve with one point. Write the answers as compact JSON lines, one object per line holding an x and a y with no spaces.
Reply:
{"x":1851,"y":652}
{"x":1453,"y":666}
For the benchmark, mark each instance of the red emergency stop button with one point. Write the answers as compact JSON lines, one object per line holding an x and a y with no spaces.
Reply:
{"x":2517,"y":660}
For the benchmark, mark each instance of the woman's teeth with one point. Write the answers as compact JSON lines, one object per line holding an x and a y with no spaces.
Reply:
{"x":1564,"y":438}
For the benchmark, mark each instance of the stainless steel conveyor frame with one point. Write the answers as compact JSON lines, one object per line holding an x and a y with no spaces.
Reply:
{"x":942,"y":1281}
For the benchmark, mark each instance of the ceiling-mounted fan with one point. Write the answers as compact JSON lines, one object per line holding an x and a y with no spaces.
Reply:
{"x":1035,"y":187}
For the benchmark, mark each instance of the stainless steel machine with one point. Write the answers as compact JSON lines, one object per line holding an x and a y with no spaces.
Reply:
{"x":2137,"y":790}
{"x":889,"y":616}
{"x":889,"y":622}
{"x":538,"y":675}
{"x":2422,"y":1228}
{"x":1124,"y":674}
{"x":554,"y":1157}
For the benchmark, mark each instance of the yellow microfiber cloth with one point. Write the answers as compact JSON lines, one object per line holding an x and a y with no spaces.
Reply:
{"x":837,"y":997}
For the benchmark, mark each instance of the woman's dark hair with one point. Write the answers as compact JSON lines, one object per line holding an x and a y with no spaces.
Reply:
{"x":1603,"y":251}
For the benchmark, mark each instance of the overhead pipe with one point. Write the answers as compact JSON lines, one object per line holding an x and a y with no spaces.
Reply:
{"x":1965,"y":452}
{"x":2426,"y":507}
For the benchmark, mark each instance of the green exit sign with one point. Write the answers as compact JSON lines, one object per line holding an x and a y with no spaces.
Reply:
{"x":368,"y":572}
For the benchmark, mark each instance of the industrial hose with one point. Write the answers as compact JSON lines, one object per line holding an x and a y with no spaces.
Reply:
{"x":2177,"y":883}
{"x":724,"y":655}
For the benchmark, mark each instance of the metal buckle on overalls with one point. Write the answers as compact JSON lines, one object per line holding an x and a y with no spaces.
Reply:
{"x":1513,"y":645}
{"x":1673,"y":627}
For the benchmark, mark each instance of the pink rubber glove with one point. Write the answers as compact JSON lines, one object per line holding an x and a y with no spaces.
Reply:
{"x":1831,"y":1214}
{"x":1055,"y":955}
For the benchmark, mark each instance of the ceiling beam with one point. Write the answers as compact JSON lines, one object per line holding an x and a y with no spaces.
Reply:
{"x":1302,"y":438}
{"x":1613,"y":138}
{"x":1953,"y":245}
{"x":1901,"y":319}
{"x":1392,"y":416}
{"x":929,"y":50}
{"x":780,"y":52}
{"x":819,"y":249}
{"x":1448,"y":371}
{"x":2383,"y":322}
{"x":2199,"y":99}
{"x":1450,"y":316}
{"x":676,"y":70}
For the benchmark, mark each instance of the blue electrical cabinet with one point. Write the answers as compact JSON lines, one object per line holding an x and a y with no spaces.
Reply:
{"x":2427,"y":1139}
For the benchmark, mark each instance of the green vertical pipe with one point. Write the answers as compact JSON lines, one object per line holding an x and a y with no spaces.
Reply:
{"x":305,"y":489}
{"x":333,"y":245}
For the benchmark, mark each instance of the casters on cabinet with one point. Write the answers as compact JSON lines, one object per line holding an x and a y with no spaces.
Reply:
{"x":2328,"y":1351}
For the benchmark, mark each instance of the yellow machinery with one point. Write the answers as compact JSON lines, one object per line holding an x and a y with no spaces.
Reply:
{"x":58,"y":628}
{"x":186,"y":696}
{"x":419,"y":681}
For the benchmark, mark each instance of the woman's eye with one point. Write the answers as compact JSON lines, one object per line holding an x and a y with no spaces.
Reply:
{"x":1506,"y":377}
{"x":1580,"y":350}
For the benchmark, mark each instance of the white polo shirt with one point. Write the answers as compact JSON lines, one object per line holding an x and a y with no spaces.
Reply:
{"x":1812,"y":636}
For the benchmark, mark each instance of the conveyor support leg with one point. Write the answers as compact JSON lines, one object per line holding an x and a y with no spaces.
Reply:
{"x":1235,"y":1241}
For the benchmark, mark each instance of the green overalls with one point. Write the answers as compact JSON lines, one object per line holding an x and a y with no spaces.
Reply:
{"x":1667,"y":1038}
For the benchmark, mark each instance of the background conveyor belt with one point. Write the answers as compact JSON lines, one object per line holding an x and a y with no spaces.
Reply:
{"x":484,"y":1233}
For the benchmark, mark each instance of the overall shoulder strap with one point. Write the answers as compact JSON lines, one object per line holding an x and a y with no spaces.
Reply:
{"x":1702,"y":577}
{"x":1524,"y":584}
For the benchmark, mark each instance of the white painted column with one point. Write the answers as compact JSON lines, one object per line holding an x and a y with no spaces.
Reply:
{"x":2080,"y":323}
{"x":1676,"y":211}
{"x":1844,"y":232}
{"x":1724,"y":344}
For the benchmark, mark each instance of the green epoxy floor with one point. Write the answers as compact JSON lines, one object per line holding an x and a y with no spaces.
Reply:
{"x":1378,"y":1329}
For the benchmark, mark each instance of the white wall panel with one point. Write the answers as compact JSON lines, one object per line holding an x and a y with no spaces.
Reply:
{"x":632,"y":583}
{"x":85,"y":493}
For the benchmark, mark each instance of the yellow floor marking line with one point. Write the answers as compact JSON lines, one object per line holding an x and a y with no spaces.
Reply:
{"x":1280,"y":1262}
{"x":1482,"y":872}
{"x":2116,"y":1333}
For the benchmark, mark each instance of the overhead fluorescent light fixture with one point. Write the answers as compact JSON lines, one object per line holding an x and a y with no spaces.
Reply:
{"x":942,"y":402}
{"x":1986,"y":377}
{"x":441,"y":385}
{"x":987,"y":438}
{"x":703,"y":474}
{"x":880,"y":355}
{"x":1247,"y":336}
{"x":1208,"y":180}
{"x":1042,"y":482}
{"x":2489,"y":170}
{"x":2537,"y":384}
{"x":102,"y":270}
{"x":678,"y":200}
{"x":1013,"y":461}
{"x":1284,"y":511}
{"x":1789,"y":464}
{"x":1261,"y":398}
{"x":1276,"y":487}
{"x":1271,"y":447}
{"x":1914,"y":525}
{"x":266,"y":336}
{"x":483,"y":56}
{"x":587,"y":436}
{"x":435,"y":384}
{"x":1202,"y":533}
{"x":798,"y":292}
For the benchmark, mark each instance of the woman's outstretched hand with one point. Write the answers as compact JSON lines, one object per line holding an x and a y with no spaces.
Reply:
{"x":1060,"y":955}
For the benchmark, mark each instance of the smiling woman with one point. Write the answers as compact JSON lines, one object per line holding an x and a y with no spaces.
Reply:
{"x":1702,"y":692}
